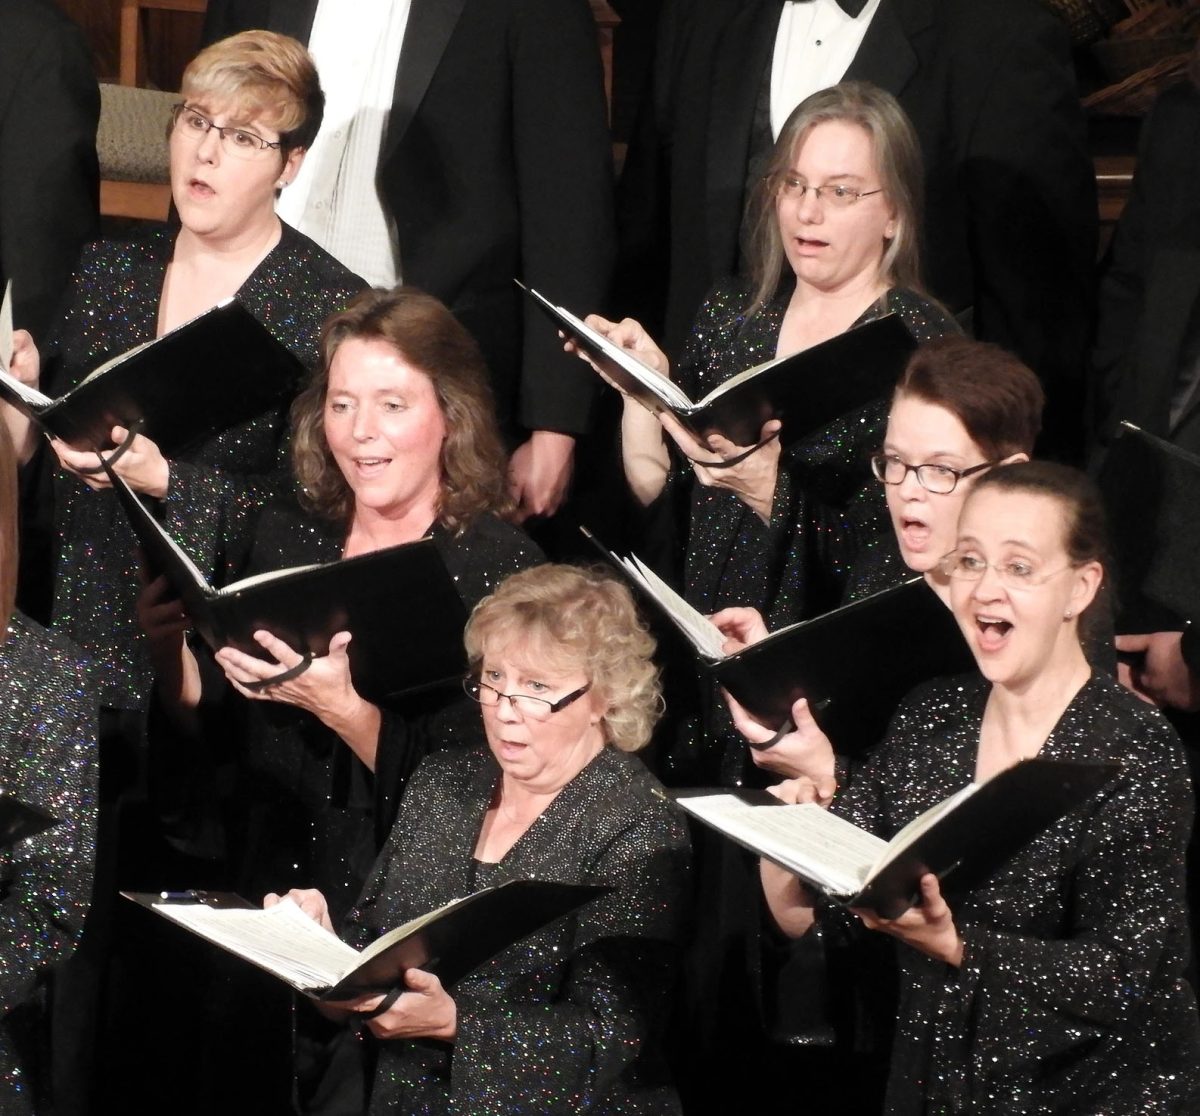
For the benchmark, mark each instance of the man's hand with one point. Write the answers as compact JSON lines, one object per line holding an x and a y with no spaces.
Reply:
{"x":539,"y":473}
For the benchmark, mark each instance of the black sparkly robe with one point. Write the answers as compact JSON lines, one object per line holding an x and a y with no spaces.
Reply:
{"x":47,"y":759}
{"x":216,"y":488}
{"x":566,"y":1020}
{"x":1071,"y":997}
{"x":829,"y":539}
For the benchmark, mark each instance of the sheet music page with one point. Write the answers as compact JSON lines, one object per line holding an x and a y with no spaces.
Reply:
{"x":282,"y":939}
{"x":704,"y":634}
{"x":823,"y":848}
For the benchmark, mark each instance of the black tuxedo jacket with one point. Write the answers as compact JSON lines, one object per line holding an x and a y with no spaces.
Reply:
{"x":49,"y":179}
{"x":1010,"y":223}
{"x":1150,"y":293}
{"x":496,"y":165}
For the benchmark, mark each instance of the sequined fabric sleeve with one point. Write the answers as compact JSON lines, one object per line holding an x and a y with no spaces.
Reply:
{"x":1072,"y":990}
{"x":617,"y":981}
{"x":48,"y":715}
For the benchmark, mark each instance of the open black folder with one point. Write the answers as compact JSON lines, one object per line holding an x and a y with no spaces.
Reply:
{"x":1151,"y":492}
{"x":806,"y":391}
{"x":221,"y":368}
{"x":963,"y":840}
{"x":449,"y":942}
{"x":853,"y":664}
{"x":400,"y":604}
{"x":19,"y":820}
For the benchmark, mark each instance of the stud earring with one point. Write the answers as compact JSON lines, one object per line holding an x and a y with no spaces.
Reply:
{"x":1068,"y":614}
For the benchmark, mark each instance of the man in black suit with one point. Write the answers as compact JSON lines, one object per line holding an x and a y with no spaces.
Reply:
{"x":49,"y":208}
{"x":1146,"y":361}
{"x":49,"y":179}
{"x":495,"y":165}
{"x":1010,"y":208}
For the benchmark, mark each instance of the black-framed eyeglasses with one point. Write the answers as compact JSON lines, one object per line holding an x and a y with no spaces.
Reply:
{"x":528,"y":705}
{"x":939,"y":479}
{"x":833,"y":193}
{"x":239,"y":142}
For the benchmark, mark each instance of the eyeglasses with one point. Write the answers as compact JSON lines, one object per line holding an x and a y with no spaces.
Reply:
{"x":836,"y":194}
{"x":1013,"y":574}
{"x":940,"y":479}
{"x":535,"y":708}
{"x":239,"y":142}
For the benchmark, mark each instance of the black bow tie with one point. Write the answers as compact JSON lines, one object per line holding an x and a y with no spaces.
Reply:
{"x":852,"y":8}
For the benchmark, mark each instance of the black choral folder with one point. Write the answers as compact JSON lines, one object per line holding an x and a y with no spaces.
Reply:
{"x":400,"y":604}
{"x":450,"y":942}
{"x":805,"y":391}
{"x":853,"y":664}
{"x":1151,"y":492}
{"x":963,"y":840}
{"x":221,"y":368}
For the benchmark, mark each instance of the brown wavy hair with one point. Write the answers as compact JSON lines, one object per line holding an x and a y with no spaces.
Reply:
{"x":581,"y":618}
{"x":897,"y":155}
{"x":430,"y":338}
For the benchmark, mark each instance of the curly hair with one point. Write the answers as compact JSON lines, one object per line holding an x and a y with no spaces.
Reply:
{"x":897,"y":155}
{"x":431,"y":339}
{"x":263,"y":74}
{"x":578,"y":618}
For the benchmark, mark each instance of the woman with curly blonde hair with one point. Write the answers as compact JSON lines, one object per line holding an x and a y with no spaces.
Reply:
{"x":560,"y":666}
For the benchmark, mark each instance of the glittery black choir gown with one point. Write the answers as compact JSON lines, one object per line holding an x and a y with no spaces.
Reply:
{"x":216,"y":488}
{"x":565,"y":1021}
{"x":1071,"y":998}
{"x":302,"y":809}
{"x":47,"y":759}
{"x":829,"y":539}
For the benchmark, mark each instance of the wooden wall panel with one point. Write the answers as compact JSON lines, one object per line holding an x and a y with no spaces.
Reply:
{"x":170,"y":38}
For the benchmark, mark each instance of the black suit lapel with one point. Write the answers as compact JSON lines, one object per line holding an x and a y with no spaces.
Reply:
{"x":430,"y":24}
{"x":742,"y":64}
{"x":888,"y":55}
{"x":293,"y":17}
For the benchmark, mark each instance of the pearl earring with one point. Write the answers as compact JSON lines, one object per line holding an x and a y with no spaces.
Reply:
{"x":1068,"y":614}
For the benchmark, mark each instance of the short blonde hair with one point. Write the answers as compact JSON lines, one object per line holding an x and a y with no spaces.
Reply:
{"x":580,"y":618}
{"x":261,"y":74}
{"x":897,"y":155}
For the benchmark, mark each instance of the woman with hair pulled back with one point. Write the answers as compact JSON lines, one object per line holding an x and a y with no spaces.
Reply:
{"x":1057,"y":985}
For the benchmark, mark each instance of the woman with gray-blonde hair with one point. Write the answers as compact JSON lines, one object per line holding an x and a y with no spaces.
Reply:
{"x":569,"y":1019}
{"x":833,"y":235}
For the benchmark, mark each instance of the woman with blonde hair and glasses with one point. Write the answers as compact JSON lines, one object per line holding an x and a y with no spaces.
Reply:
{"x":569,"y":1019}
{"x":251,"y":106}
